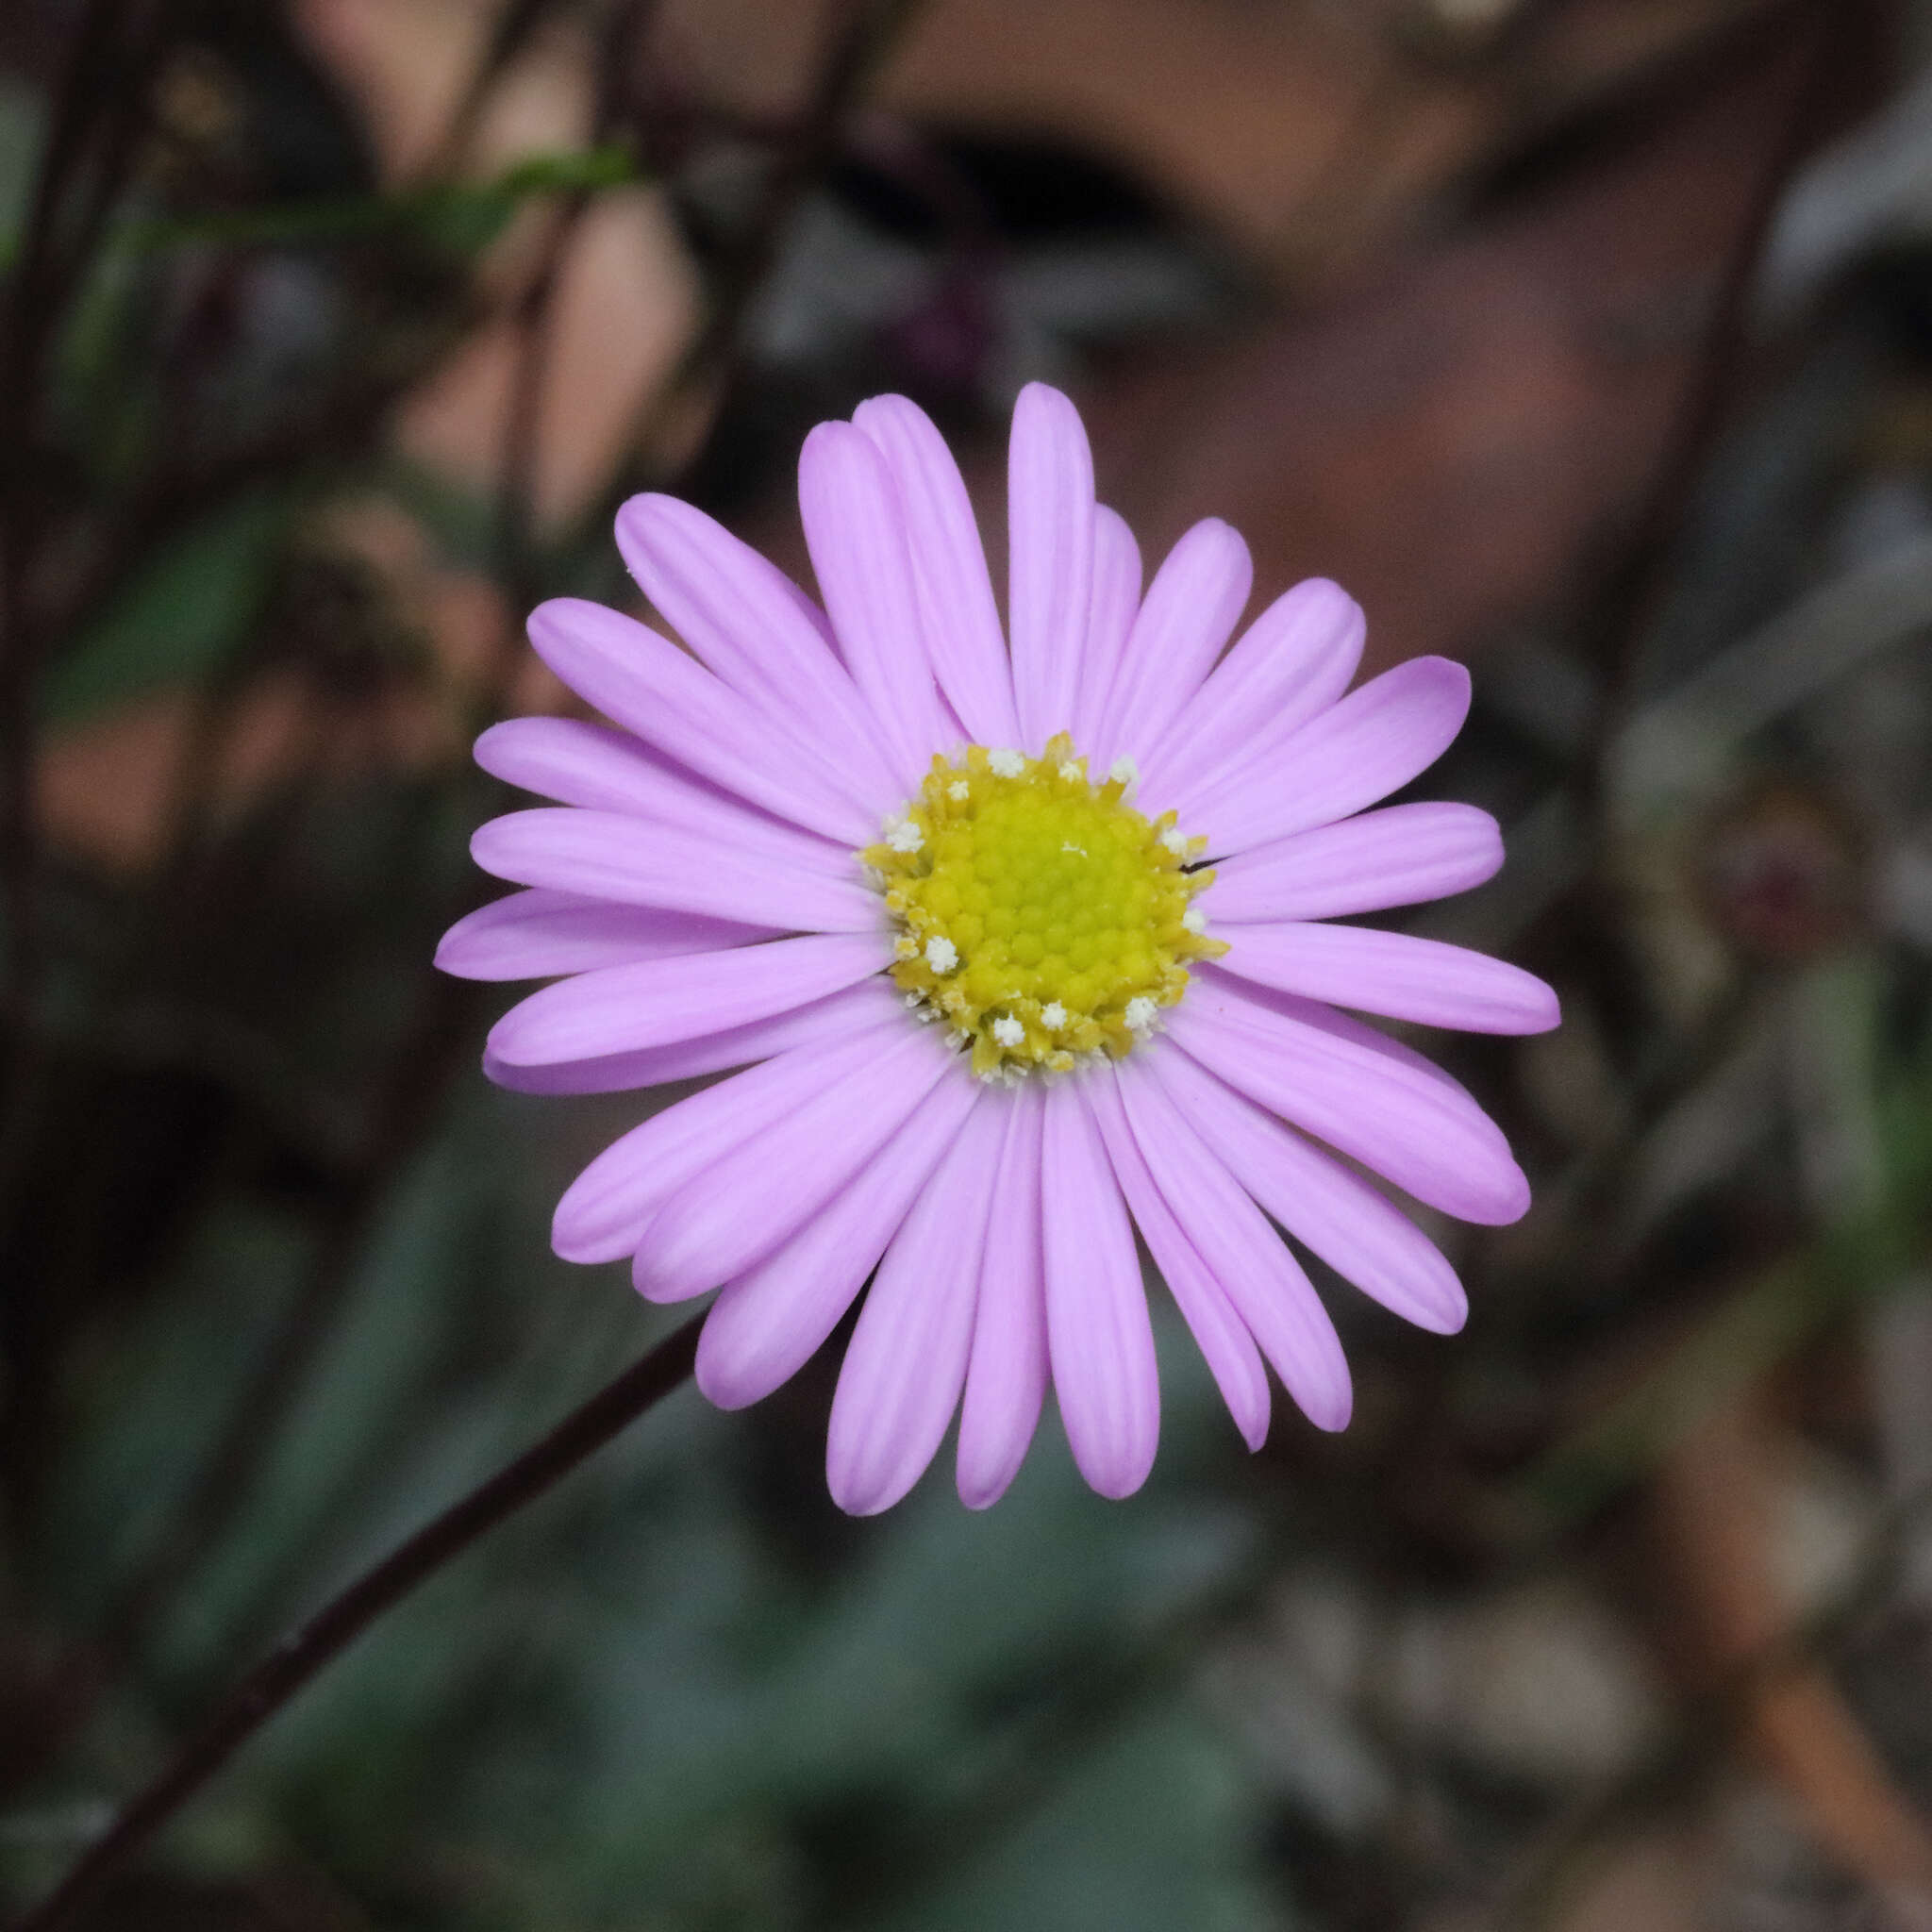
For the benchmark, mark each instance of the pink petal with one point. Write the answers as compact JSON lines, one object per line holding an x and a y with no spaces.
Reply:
{"x":1188,"y":615}
{"x":1272,"y":1294}
{"x":1400,"y":855}
{"x":1006,"y":1380}
{"x":623,"y":1009}
{"x":750,"y":624}
{"x":1366,"y":1238}
{"x":1050,"y":558}
{"x":538,"y":934}
{"x":598,"y":855}
{"x":906,"y":1363}
{"x":600,"y":769}
{"x":787,"y":1166}
{"x":1293,"y":662}
{"x":1374,"y":740}
{"x":603,"y":1212}
{"x":710,"y":1053}
{"x":1394,"y":974}
{"x":960,"y":620}
{"x":1098,"y":1335}
{"x":1111,"y":612}
{"x":646,"y":684}
{"x":575,"y":762}
{"x":1363,"y":1094}
{"x":1220,"y":1334}
{"x":770,"y":1322}
{"x":858,"y":542}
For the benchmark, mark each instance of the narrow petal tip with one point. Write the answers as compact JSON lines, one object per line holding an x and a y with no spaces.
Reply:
{"x":832,"y":442}
{"x":1542,"y":1009}
{"x":575,"y":1237}
{"x":1254,"y":1429}
{"x":1449,"y":1317}
{"x":720,"y":1377}
{"x":856,"y":1499}
{"x":1115,"y":1478}
{"x":1331,"y":1407}
{"x":1451,"y":681}
{"x":1506,"y":1199}
{"x":1315,"y":593}
{"x":672,"y":1264}
{"x":981,"y":1489}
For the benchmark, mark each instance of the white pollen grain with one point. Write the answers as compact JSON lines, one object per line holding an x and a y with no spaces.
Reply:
{"x":1070,"y":772}
{"x":1053,"y":1014}
{"x":1175,"y":840}
{"x":959,"y":791}
{"x":1123,"y":772}
{"x":1140,"y":1013}
{"x":1078,"y":851}
{"x":905,"y":836}
{"x":1195,"y":920}
{"x":1005,"y":763}
{"x":1007,"y":1031}
{"x":942,"y":955}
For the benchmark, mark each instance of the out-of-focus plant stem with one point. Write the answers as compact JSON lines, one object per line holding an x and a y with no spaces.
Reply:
{"x":1628,"y":602}
{"x":509,"y":35}
{"x":421,"y":1067}
{"x":426,"y":1059}
{"x":99,"y":114}
{"x":325,"y":1636}
{"x":32,"y":302}
{"x":867,"y":32}
{"x":98,"y":117}
{"x":44,"y":272}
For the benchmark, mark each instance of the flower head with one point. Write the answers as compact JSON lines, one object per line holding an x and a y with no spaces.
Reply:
{"x":1019,"y":937}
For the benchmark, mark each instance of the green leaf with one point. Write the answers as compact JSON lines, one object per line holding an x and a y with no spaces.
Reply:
{"x":179,"y":619}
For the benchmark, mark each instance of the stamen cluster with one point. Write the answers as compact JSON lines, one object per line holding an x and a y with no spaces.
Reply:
{"x":1041,"y":916}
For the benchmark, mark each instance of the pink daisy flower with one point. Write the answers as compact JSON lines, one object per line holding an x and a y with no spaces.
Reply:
{"x":1019,"y":936}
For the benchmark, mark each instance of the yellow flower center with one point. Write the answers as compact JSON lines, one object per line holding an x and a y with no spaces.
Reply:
{"x":1041,"y":916}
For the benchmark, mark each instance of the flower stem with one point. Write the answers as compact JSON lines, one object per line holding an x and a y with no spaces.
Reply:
{"x":305,"y":1651}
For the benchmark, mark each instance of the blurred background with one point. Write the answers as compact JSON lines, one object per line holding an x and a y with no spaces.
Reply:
{"x":1587,"y":340}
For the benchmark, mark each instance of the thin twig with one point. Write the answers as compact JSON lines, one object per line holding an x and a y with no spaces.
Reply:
{"x":509,"y":35}
{"x":1626,"y":606}
{"x":32,"y":302}
{"x":422,"y":1064}
{"x":425,"y":1061}
{"x":853,"y":57}
{"x":522,"y":449}
{"x":101,"y":86}
{"x":327,"y":1634}
{"x":101,"y":91}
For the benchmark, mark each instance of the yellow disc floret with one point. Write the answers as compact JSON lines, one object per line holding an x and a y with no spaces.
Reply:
{"x":1041,"y":916}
